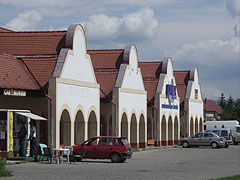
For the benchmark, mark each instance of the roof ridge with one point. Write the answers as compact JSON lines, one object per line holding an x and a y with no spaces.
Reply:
{"x":153,"y":62}
{"x":105,"y":49}
{"x":16,"y":32}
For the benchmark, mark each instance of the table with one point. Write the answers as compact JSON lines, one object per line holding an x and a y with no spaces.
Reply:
{"x":60,"y":152}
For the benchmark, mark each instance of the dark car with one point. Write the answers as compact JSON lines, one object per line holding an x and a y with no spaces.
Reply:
{"x":105,"y":147}
{"x":204,"y":139}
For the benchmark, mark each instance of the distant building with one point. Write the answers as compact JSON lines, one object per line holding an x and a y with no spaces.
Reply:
{"x":212,"y":110}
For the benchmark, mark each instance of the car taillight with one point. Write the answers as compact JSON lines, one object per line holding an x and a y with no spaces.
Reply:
{"x":220,"y":139}
{"x":229,"y":136}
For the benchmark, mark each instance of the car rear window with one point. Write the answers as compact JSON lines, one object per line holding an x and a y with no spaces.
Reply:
{"x":208,"y":135}
{"x":224,"y":133}
{"x":126,"y":141}
{"x":118,"y":142}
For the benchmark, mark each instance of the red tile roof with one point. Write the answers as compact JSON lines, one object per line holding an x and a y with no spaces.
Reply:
{"x":149,"y":69}
{"x":106,"y":59}
{"x":181,"y":78}
{"x":41,"y":67}
{"x":106,"y":64}
{"x":5,"y":30}
{"x":150,"y":87}
{"x":14,"y":74}
{"x":210,"y":105}
{"x":150,"y":72}
{"x":32,"y":43}
{"x":106,"y":80}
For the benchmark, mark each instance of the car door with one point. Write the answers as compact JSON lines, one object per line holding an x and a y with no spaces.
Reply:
{"x":92,"y":148}
{"x":197,"y":139}
{"x":105,"y":147}
{"x":207,"y":139}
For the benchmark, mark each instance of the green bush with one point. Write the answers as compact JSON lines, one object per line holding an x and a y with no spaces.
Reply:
{"x":3,"y":171}
{"x":135,"y":149}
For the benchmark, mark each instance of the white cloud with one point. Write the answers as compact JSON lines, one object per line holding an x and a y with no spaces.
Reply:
{"x":26,"y":21}
{"x":207,"y":53}
{"x":233,"y":7}
{"x":237,"y":30}
{"x":137,"y":26}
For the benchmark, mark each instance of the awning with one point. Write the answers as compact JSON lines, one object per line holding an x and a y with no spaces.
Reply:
{"x":32,"y":116}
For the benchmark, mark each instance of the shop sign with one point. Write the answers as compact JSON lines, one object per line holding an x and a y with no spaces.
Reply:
{"x":13,"y":92}
{"x":10,"y":137}
{"x":169,"y":106}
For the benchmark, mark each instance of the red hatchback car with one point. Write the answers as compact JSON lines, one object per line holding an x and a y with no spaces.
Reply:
{"x":105,"y":147}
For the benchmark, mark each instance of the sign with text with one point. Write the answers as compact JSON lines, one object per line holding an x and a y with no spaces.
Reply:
{"x":13,"y":92}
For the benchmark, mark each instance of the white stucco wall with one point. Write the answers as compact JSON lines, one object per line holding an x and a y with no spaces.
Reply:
{"x":76,"y":88}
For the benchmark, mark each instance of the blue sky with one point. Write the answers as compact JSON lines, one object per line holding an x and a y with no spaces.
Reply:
{"x":194,"y":33}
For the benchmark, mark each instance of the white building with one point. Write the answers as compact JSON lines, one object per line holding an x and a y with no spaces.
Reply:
{"x":191,"y":101}
{"x":163,"y":102}
{"x":123,"y":97}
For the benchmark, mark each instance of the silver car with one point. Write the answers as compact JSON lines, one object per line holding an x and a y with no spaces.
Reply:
{"x":204,"y":139}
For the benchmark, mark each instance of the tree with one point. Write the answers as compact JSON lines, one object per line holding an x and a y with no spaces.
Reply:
{"x":222,"y":101}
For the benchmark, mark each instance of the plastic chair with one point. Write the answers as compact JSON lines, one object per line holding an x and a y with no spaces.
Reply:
{"x":46,"y":153}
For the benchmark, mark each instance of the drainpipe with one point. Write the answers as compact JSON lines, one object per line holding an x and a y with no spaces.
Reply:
{"x":157,"y":112}
{"x":116,"y":125}
{"x":51,"y":120}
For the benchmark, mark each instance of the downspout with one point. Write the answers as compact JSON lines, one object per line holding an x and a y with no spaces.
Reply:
{"x":157,"y":122}
{"x":51,"y":120}
{"x":116,"y":125}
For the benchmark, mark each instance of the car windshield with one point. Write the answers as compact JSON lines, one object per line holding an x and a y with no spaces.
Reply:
{"x":238,"y":129}
{"x":126,"y":141}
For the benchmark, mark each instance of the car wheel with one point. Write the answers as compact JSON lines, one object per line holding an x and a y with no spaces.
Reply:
{"x":214,"y":145}
{"x":226,"y":145}
{"x":235,"y":143}
{"x":122,"y":160}
{"x":115,"y":157}
{"x":185,"y":144}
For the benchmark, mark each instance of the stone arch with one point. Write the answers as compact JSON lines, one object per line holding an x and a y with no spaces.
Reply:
{"x":133,"y":130}
{"x":124,"y":126}
{"x":65,"y":128}
{"x":103,"y":126}
{"x":92,"y":124}
{"x":176,"y":130}
{"x":201,"y":125}
{"x":170,"y":130}
{"x":142,"y":143}
{"x":79,"y":128}
{"x":191,"y":126}
{"x":163,"y":131}
{"x":196,"y":125}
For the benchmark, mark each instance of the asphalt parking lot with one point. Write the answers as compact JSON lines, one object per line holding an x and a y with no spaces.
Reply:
{"x":165,"y":163}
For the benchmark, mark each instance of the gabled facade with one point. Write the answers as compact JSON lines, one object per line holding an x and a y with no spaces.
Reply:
{"x":191,"y":102}
{"x":163,"y":107}
{"x":123,"y":99}
{"x":75,"y":92}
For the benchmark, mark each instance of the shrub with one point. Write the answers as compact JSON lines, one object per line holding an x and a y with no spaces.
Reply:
{"x":3,"y":171}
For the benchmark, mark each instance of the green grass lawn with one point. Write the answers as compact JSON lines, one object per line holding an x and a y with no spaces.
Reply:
{"x":3,"y":171}
{"x":237,"y":177}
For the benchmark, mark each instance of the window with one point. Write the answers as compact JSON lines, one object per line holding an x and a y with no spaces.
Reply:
{"x":216,"y":132}
{"x":117,"y":142}
{"x":224,"y":133}
{"x":199,"y":135}
{"x":207,"y":135}
{"x":106,"y":142}
{"x":92,"y":142}
{"x":196,"y":94}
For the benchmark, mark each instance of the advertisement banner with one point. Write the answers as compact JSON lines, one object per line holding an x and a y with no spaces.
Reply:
{"x":10,"y":143}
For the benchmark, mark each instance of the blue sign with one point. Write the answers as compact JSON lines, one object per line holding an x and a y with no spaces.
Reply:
{"x":169,"y":106}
